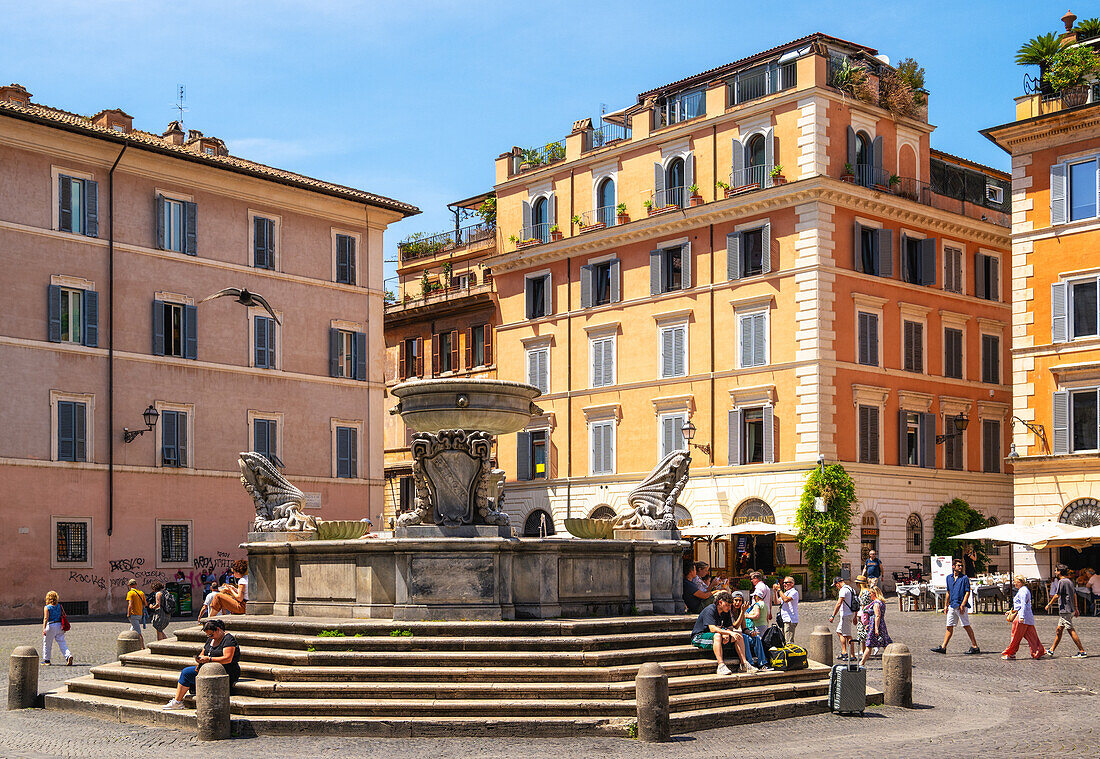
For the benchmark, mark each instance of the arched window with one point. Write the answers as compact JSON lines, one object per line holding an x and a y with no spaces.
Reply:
{"x":675,"y":194}
{"x":864,"y":159}
{"x":539,"y":227}
{"x":603,"y":511}
{"x":605,"y":202}
{"x":754,"y":510}
{"x":756,"y":156}
{"x":538,"y":524}
{"x":868,"y":534}
{"x":914,"y":534}
{"x":1084,"y":512}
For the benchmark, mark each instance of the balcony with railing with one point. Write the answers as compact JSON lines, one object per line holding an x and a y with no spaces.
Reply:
{"x":597,"y":218}
{"x":668,"y":199}
{"x":417,"y":246}
{"x":446,"y":289}
{"x":928,"y":195}
{"x":529,"y":159}
{"x":750,"y":178}
{"x":1039,"y":101}
{"x":866,"y":175}
{"x":605,"y":135}
{"x":536,"y":234}
{"x":761,"y":81}
{"x":680,"y":107}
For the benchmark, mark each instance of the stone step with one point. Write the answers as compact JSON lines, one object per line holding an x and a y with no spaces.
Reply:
{"x":522,"y":628}
{"x":753,"y":713}
{"x":630,"y":640}
{"x":121,"y":710}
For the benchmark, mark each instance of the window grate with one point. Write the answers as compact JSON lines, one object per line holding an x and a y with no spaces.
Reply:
{"x":72,"y":541}
{"x":174,"y":540}
{"x":75,"y":608}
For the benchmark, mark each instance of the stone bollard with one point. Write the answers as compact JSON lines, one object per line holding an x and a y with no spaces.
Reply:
{"x":212,"y":702}
{"x":23,"y":678}
{"x":897,"y":675}
{"x":651,"y":695}
{"x":820,"y":647}
{"x":127,"y":643}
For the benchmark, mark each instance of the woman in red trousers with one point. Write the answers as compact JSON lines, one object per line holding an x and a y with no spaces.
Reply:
{"x":1023,"y":623}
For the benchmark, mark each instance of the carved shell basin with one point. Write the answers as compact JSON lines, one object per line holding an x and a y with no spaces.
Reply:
{"x":341,"y":529}
{"x":494,"y":406}
{"x":590,"y":529}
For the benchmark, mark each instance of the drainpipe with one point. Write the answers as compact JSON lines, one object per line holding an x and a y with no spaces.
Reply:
{"x":569,"y":361}
{"x":111,"y":344}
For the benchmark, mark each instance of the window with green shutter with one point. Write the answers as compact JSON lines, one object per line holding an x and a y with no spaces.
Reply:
{"x":71,"y":431}
{"x":346,"y":452}
{"x":173,"y":435}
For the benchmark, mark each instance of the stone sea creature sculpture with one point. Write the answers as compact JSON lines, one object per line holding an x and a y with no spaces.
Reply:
{"x":278,"y":503}
{"x":654,"y":501}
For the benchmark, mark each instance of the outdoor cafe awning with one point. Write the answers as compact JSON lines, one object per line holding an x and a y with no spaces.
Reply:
{"x":1024,"y":534}
{"x":1081,"y":537}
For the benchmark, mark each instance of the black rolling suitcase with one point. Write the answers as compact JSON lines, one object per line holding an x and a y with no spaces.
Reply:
{"x":848,"y":689}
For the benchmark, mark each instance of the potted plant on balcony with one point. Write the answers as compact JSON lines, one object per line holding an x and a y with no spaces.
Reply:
{"x":623,"y":217}
{"x":555,"y":233}
{"x":895,"y":182}
{"x":529,"y":159}
{"x":849,"y":174}
{"x":1069,"y":70}
{"x":647,"y":204}
{"x":447,"y":269}
{"x":696,"y":198}
{"x":425,"y":285}
{"x":777,"y":174}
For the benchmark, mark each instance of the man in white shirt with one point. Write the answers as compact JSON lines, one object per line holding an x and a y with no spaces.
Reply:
{"x":844,"y":596}
{"x":1094,"y":582}
{"x":761,"y":592}
{"x":786,"y":595}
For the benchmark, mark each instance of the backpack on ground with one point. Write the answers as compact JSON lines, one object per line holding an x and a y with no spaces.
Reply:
{"x":788,"y":657}
{"x":773,"y":638}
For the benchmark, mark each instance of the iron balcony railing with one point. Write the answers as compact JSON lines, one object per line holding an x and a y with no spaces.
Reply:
{"x":760,"y":176}
{"x":670,"y":196}
{"x":416,"y":246}
{"x":603,"y":135}
{"x":539,"y":232}
{"x":605,"y":217}
{"x":762,"y":80}
{"x":926,"y":194}
{"x":679,"y":108}
{"x":437,"y":284}
{"x":869,"y":176}
{"x":532,"y":158}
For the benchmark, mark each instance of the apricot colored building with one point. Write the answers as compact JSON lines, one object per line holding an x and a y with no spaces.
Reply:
{"x":781,"y":260}
{"x":110,"y":237}
{"x":440,"y":322}
{"x":1055,"y":147}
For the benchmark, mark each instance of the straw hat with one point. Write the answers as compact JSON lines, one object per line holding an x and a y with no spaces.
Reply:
{"x":862,"y":579}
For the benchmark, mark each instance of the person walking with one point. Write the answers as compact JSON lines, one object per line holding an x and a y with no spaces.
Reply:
{"x":1023,"y":623}
{"x":52,"y":630}
{"x":958,"y":597}
{"x":872,"y":568}
{"x":1064,"y":593}
{"x":877,"y":636}
{"x":863,"y":620}
{"x":135,"y":609}
{"x":786,"y":597}
{"x":159,"y":607}
{"x":845,"y":608}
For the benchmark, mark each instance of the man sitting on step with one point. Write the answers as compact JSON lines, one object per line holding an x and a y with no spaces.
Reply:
{"x":714,"y":629}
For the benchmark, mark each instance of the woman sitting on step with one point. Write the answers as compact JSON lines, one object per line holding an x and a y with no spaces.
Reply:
{"x":229,"y":598}
{"x":220,"y":648}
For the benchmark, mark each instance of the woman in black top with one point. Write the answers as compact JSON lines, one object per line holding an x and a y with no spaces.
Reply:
{"x":220,"y":648}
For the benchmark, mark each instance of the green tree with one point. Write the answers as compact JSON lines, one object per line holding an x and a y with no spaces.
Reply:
{"x":1088,"y":28}
{"x":1070,"y":67}
{"x":954,"y":518}
{"x":822,"y":535}
{"x":1038,"y":51}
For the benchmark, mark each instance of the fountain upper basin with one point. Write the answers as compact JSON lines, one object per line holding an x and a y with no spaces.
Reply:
{"x":495,"y":406}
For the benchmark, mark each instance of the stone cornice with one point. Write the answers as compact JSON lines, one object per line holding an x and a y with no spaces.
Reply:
{"x":1046,"y":131}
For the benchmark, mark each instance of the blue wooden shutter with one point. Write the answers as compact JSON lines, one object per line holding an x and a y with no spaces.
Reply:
{"x":169,"y":449}
{"x":270,"y":342}
{"x":351,"y":260}
{"x":181,"y":436}
{"x":1059,"y":321}
{"x":91,"y":318}
{"x":1060,"y":422}
{"x":342,"y":452}
{"x":160,"y":210}
{"x":333,"y":352}
{"x":1058,"y":204}
{"x":79,"y":432}
{"x":190,"y":332}
{"x":261,"y":342}
{"x":689,"y":177}
{"x":586,"y":286}
{"x":733,"y":255}
{"x":261,"y":243}
{"x":158,"y":328}
{"x":656,"y":273}
{"x":884,"y":240}
{"x":66,"y":444}
{"x":616,"y":285}
{"x":91,"y":208}
{"x":769,"y":435}
{"x":523,"y":455}
{"x":360,"y":343}
{"x":65,"y":204}
{"x":53,"y":300}
{"x":735,"y":437}
{"x":903,"y":258}
{"x":190,"y":227}
{"x":343,"y":268}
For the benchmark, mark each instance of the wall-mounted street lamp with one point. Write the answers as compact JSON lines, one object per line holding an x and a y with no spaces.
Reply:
{"x":688,"y":431}
{"x":150,"y":415}
{"x":961,"y":422}
{"x":1036,"y":429}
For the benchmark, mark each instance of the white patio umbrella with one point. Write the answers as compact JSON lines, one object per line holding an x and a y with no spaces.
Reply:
{"x":1024,"y":534}
{"x":747,"y":528}
{"x":1082,"y":537}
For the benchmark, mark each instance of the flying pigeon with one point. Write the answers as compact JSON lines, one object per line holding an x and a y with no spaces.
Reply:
{"x":245,"y":298}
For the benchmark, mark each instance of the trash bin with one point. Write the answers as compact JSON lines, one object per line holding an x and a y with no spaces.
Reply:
{"x":182,"y":593}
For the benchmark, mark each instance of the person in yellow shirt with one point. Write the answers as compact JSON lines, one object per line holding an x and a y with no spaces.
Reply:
{"x":135,"y":609}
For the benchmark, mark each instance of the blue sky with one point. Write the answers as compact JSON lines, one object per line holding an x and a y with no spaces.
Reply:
{"x":415,"y":99}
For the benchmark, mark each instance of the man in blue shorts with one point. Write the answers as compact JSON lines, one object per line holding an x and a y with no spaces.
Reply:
{"x":714,"y":630}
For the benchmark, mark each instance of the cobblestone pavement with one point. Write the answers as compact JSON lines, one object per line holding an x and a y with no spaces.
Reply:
{"x":967,"y":706}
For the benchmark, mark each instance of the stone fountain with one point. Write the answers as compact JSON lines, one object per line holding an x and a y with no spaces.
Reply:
{"x":453,"y":555}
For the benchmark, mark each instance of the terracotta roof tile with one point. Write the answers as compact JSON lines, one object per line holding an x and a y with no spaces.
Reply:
{"x":146,"y":140}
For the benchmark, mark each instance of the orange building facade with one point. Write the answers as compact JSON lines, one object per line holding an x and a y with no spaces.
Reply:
{"x":791,"y":269}
{"x":110,"y":237}
{"x":1055,"y":147}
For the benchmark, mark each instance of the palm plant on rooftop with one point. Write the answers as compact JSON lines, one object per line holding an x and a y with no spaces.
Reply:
{"x":1038,"y":51}
{"x":1088,"y":28}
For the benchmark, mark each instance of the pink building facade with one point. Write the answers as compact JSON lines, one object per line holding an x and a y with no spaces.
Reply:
{"x":101,"y":319}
